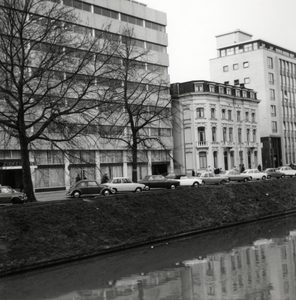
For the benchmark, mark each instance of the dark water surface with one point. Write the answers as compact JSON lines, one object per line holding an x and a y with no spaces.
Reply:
{"x":253,"y":261}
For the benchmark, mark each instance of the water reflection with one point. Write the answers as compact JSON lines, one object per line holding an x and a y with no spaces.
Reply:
{"x":247,"y":262}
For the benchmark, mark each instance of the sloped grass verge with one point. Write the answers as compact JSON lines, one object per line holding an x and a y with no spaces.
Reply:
{"x":33,"y":234}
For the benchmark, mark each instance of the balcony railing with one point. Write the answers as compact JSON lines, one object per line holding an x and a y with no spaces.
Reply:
{"x":202,"y":144}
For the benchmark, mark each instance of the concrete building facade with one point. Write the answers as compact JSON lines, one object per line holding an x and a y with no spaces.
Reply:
{"x":51,"y":169}
{"x":215,"y":126}
{"x":271,"y":71}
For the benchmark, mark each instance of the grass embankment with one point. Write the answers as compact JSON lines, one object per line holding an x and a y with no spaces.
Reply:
{"x":42,"y":233}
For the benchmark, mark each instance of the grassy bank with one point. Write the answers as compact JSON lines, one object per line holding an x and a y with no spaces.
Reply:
{"x":44,"y":232}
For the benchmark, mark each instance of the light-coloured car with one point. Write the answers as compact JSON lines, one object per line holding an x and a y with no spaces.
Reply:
{"x":190,"y":181}
{"x":255,"y":174}
{"x":288,"y":171}
{"x":210,"y":178}
{"x":124,"y":184}
{"x":10,"y":196}
{"x":235,"y":175}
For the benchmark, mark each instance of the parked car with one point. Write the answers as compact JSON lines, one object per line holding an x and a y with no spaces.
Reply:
{"x":10,"y":196}
{"x":190,"y":181}
{"x":159,"y":181}
{"x":210,"y":178}
{"x":84,"y":188}
{"x":288,"y":171}
{"x":124,"y":184}
{"x":274,"y":173}
{"x":235,"y":175}
{"x":255,"y":174}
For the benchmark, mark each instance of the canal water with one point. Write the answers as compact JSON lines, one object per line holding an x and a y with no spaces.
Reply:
{"x":252,"y":261}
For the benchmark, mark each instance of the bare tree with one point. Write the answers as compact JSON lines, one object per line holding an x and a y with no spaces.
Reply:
{"x":53,"y":76}
{"x":141,"y":114}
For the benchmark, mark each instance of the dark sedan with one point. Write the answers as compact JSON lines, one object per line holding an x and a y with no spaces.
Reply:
{"x":274,"y":173}
{"x":89,"y":188}
{"x":159,"y":181}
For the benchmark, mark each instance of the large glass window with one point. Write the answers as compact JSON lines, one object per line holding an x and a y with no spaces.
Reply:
{"x":272,"y":94}
{"x":213,"y":113}
{"x":238,"y":116}
{"x":270,"y":62}
{"x":239,"y":135}
{"x":224,"y":134}
{"x":201,"y":134}
{"x":273,"y":110}
{"x":214,"y":134}
{"x":274,"y":126}
{"x":230,"y":134}
{"x":203,"y":160}
{"x":271,"y":78}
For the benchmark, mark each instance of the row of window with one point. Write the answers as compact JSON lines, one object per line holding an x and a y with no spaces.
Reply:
{"x":236,"y":66}
{"x":226,"y":114}
{"x":201,"y":135}
{"x":199,"y":87}
{"x":111,"y":14}
{"x":254,"y":46}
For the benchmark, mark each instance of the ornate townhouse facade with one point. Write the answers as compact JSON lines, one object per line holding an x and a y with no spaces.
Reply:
{"x":271,"y":71}
{"x":51,"y":169}
{"x":215,"y":126}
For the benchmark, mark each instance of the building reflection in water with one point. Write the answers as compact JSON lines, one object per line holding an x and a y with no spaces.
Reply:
{"x":264,"y":270}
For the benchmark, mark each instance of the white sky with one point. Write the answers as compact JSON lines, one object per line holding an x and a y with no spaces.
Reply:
{"x":193,"y":25}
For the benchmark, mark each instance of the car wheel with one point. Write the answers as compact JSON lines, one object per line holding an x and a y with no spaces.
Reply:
{"x":195,"y":184}
{"x":245,"y":180}
{"x":138,"y":190}
{"x":115,"y":191}
{"x":106,"y":192}
{"x":172,"y":187}
{"x":268,"y":176}
{"x":76,"y":194}
{"x":263,"y":177}
{"x":147,"y":187}
{"x":16,"y":201}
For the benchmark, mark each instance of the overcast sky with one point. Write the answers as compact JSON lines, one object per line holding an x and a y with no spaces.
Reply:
{"x":193,"y":25}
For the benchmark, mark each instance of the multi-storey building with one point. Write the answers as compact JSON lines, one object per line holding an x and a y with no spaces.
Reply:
{"x":215,"y":126}
{"x":51,"y":169}
{"x":271,"y":71}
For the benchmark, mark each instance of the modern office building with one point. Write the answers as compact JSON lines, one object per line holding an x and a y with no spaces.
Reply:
{"x":271,"y":71}
{"x":51,"y":169}
{"x":215,"y":126}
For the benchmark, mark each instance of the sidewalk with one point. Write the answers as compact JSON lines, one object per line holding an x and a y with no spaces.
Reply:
{"x":50,"y":196}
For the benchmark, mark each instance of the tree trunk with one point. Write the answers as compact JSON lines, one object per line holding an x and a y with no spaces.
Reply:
{"x":135,"y":163}
{"x":27,"y":177}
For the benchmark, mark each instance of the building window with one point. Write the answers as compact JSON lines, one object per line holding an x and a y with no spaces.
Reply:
{"x":223,"y":114}
{"x":212,"y":89}
{"x":271,"y":78}
{"x":213,"y":113}
{"x":238,"y":116}
{"x":248,"y":135}
{"x":237,"y":93}
{"x":215,"y":156}
{"x":228,"y":91}
{"x":201,"y":134}
{"x":224,"y":134}
{"x":254,"y":135}
{"x":248,"y":47}
{"x":221,"y":90}
{"x":274,"y":126}
{"x":229,"y":115}
{"x":214,"y":134}
{"x":252,"y":95}
{"x":239,"y":135}
{"x":230,"y":51}
{"x":270,"y":62}
{"x":200,"y":112}
{"x":225,"y":69}
{"x":236,"y":82}
{"x":273,"y":110}
{"x":246,"y":64}
{"x":203,"y":160}
{"x":235,"y":67}
{"x":247,"y":80}
{"x":253,"y":118}
{"x":245,"y":94}
{"x":272,"y":94}
{"x":247,"y":116}
{"x":198,"y":87}
{"x":230,"y":135}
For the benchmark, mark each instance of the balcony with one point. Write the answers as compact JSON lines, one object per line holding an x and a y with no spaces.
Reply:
{"x":200,"y":145}
{"x":251,"y":145}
